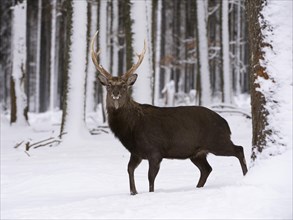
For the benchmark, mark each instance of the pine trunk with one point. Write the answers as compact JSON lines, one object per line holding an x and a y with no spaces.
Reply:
{"x":205,"y":85}
{"x":140,"y":13}
{"x":74,"y":122}
{"x":5,"y":53}
{"x":91,"y":70}
{"x":157,"y":52}
{"x":65,"y":58}
{"x":53,"y":70}
{"x":18,"y":96}
{"x":227,"y":92}
{"x":258,"y":101}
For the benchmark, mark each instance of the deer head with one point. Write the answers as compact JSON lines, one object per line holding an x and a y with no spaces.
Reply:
{"x":117,"y":87}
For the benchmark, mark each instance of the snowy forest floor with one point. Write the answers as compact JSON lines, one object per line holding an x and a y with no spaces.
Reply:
{"x":86,"y":178}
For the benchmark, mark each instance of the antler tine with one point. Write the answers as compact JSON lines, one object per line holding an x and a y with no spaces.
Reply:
{"x":95,"y":58}
{"x":135,"y":66}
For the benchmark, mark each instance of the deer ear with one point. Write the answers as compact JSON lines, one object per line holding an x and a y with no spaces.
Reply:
{"x":131,"y":79}
{"x":103,"y":80}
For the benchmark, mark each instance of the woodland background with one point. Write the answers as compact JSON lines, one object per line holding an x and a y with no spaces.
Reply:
{"x":175,"y":74}
{"x":60,"y":160}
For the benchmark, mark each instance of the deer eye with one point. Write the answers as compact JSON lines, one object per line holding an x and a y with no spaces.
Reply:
{"x":108,"y":87}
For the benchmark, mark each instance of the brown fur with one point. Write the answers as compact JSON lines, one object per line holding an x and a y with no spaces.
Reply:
{"x":154,"y":133}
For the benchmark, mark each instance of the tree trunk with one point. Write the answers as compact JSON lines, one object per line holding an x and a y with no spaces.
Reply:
{"x":104,"y":56}
{"x":227,"y":92}
{"x":205,"y":84}
{"x":45,"y":49}
{"x":140,"y":13}
{"x":74,"y":123}
{"x":257,"y":71}
{"x":32,"y":64}
{"x":91,"y":70}
{"x":53,"y":69}
{"x":157,"y":52}
{"x":238,"y":50}
{"x":18,"y":96}
{"x":65,"y":37}
{"x":5,"y":53}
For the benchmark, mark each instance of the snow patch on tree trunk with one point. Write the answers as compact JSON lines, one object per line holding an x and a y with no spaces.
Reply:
{"x":277,"y":89}
{"x":19,"y":60}
{"x":158,"y":54}
{"x":74,"y":123}
{"x":91,"y":72}
{"x":103,"y":42}
{"x":226,"y":60}
{"x":53,"y":69}
{"x":203,"y":54}
{"x":141,"y":12}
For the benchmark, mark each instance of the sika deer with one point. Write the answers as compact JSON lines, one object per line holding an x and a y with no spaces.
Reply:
{"x":153,"y":133}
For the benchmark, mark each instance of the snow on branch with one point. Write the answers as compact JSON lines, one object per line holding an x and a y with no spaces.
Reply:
{"x":229,"y":108}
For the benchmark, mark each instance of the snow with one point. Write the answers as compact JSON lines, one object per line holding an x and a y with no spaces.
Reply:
{"x":157,"y":49}
{"x":103,"y":41}
{"x":88,"y":180}
{"x":169,"y":93}
{"x":53,"y":67}
{"x":19,"y":59}
{"x":278,"y":63}
{"x":140,"y":13}
{"x":77,"y":68}
{"x":226,"y":54}
{"x":203,"y":54}
{"x":91,"y":70}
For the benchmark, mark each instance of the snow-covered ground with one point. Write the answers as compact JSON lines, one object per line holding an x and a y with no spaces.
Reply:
{"x":87,"y":179}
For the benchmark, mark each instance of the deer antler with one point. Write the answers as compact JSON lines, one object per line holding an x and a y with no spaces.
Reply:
{"x":95,"y":59}
{"x":135,"y":66}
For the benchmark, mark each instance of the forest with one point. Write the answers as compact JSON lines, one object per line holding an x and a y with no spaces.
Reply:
{"x":59,"y":158}
{"x":197,"y":59}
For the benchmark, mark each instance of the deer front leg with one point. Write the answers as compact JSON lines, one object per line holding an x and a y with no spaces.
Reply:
{"x":132,"y":165}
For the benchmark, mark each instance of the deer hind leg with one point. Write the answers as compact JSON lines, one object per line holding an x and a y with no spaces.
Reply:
{"x":231,"y":149}
{"x":239,"y":153}
{"x":154,"y":167}
{"x":205,"y":169}
{"x":132,"y":165}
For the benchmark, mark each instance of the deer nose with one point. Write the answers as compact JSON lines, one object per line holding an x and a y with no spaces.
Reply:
{"x":116,"y":94}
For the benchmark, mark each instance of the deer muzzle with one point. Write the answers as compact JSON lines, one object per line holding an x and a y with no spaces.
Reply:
{"x":116,"y":97}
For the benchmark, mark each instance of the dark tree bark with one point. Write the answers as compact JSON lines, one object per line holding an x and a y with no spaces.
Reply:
{"x":5,"y":52}
{"x":127,"y":22}
{"x":19,"y":107}
{"x":45,"y":56}
{"x":32,"y":52}
{"x":67,"y":22}
{"x":258,"y":101}
{"x":13,"y":106}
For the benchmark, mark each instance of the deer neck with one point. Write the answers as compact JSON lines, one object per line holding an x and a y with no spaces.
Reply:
{"x":123,"y":121}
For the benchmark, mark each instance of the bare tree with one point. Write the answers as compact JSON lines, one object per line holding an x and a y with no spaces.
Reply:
{"x":157,"y":52}
{"x":227,"y":80}
{"x":141,"y":30}
{"x":73,"y":116}
{"x":18,"y":96}
{"x":260,"y":131}
{"x":5,"y":53}
{"x":205,"y":96}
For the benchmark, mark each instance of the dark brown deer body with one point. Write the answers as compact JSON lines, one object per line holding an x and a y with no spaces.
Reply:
{"x":154,"y":133}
